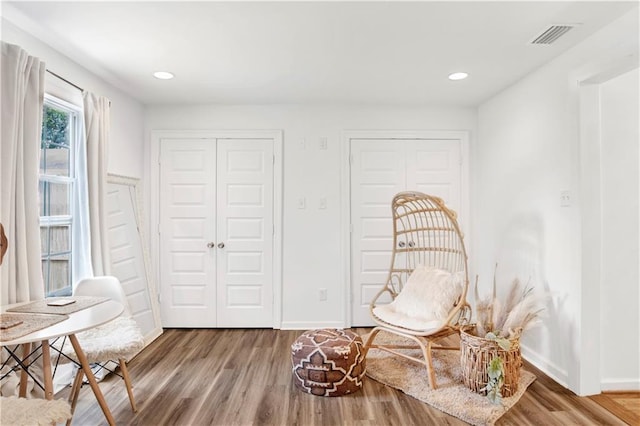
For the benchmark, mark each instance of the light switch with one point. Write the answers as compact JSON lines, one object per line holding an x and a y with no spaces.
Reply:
{"x":322,"y":294}
{"x":302,"y":203}
{"x":303,"y":144}
{"x":323,"y":203}
{"x":323,"y":143}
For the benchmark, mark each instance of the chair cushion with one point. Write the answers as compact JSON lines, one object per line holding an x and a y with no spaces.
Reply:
{"x":117,"y":339}
{"x":425,"y":300}
{"x":21,"y":411}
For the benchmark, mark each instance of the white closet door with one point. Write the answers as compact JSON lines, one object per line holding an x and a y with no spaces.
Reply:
{"x":377,"y":174}
{"x":245,"y":228}
{"x":380,"y":168}
{"x":434,"y":167}
{"x":187,"y":226}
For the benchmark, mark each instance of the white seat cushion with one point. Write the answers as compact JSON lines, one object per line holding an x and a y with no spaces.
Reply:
{"x":425,"y":300}
{"x":29,"y":412}
{"x":117,"y":339}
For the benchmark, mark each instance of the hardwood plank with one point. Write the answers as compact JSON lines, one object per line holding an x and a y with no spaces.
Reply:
{"x":243,"y":377}
{"x":628,"y":399}
{"x":621,"y":405}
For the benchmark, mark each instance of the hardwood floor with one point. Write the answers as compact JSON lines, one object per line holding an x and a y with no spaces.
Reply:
{"x":243,"y":377}
{"x":625,"y":405}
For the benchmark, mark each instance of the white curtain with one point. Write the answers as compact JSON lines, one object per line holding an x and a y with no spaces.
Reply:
{"x":81,"y":231}
{"x":22,"y":97}
{"x":96,"y":121}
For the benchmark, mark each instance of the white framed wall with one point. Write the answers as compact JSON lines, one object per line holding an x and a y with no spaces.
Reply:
{"x":620,"y":284}
{"x":610,"y":225}
{"x":312,"y":162}
{"x":529,"y":154}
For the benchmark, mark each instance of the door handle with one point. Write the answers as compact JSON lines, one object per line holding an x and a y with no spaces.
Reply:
{"x":221,"y":245}
{"x":211,"y":244}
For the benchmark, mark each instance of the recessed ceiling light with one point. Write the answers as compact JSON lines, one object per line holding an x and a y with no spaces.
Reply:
{"x":163,"y":75}
{"x":458,"y":76}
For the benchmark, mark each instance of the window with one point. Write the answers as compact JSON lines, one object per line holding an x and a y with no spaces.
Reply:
{"x":61,"y":133}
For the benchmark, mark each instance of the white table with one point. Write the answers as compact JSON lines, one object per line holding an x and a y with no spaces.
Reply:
{"x":84,"y":319}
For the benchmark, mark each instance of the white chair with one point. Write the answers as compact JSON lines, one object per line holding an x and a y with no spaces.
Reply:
{"x":118,"y":340}
{"x":16,"y":411}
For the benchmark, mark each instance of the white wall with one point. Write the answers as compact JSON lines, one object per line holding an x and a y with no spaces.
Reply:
{"x":620,"y":290}
{"x":527,"y":154}
{"x":126,"y":146}
{"x":311,"y":237}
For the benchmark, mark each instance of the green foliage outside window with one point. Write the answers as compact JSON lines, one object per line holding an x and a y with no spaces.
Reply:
{"x":55,"y":128}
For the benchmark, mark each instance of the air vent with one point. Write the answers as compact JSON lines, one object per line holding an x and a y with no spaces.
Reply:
{"x":552,"y":34}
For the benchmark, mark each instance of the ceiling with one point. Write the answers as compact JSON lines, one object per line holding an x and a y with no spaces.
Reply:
{"x":392,"y":53}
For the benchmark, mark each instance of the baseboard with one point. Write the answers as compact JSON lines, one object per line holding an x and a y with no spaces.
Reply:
{"x":559,"y":375}
{"x":310,"y":325}
{"x":153,"y":335}
{"x":613,"y":385}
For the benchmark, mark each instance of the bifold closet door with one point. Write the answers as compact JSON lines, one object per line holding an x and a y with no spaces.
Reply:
{"x":380,"y":168}
{"x":245,"y":233}
{"x":434,"y":167}
{"x":377,"y":174}
{"x":216,"y":232}
{"x":187,"y":233}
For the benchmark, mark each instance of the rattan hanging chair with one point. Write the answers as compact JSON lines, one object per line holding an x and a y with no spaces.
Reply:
{"x":426,"y":236}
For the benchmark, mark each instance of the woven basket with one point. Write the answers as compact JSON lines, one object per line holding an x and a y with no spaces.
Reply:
{"x":475,"y":355}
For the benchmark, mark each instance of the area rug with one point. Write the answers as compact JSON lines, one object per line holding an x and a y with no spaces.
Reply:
{"x":451,"y":396}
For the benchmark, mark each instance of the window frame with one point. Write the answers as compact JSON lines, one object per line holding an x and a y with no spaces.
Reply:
{"x":48,"y":221}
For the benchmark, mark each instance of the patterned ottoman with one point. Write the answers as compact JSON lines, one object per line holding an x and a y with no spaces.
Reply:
{"x":328,"y":362}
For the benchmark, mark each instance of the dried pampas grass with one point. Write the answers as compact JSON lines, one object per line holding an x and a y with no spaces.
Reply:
{"x":509,"y":318}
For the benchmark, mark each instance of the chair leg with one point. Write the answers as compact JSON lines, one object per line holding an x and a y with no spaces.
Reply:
{"x":127,"y":382}
{"x":26,"y":349}
{"x":426,"y":350}
{"x":369,"y":341}
{"x":75,"y":391}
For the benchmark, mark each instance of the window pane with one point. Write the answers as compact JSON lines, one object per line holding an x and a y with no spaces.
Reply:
{"x":55,"y":155}
{"x":45,"y":231}
{"x":55,"y":240}
{"x":59,"y":276}
{"x":60,"y":241}
{"x":55,"y":198}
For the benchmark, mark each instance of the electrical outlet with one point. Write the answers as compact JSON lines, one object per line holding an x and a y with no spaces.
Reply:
{"x":565,"y":199}
{"x":322,"y":294}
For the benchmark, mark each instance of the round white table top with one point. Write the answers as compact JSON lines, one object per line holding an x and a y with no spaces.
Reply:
{"x":84,"y":319}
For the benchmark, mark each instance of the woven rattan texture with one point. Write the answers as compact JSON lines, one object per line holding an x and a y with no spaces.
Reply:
{"x":476,"y":355}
